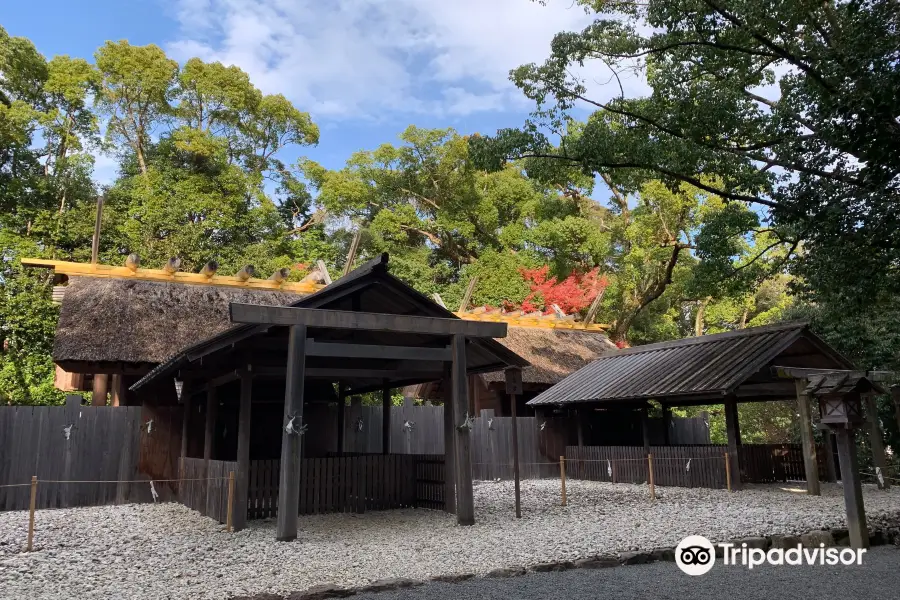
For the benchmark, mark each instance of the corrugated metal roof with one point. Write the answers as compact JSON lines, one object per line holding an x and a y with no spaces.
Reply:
{"x":708,"y":365}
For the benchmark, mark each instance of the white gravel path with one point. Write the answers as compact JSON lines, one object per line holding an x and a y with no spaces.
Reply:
{"x":148,"y":551}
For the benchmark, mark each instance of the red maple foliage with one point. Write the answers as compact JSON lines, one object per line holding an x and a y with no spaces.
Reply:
{"x":573,"y":294}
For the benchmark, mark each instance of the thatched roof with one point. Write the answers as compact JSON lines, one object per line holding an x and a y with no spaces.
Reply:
{"x":133,"y":321}
{"x":553,"y":353}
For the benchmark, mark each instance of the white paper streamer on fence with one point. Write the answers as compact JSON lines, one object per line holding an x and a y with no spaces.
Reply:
{"x":608,"y":468}
{"x":149,"y":426}
{"x":153,"y":491}
{"x":687,"y":467}
{"x":68,"y":431}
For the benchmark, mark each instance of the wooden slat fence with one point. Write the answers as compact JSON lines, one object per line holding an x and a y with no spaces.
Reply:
{"x":492,"y":449}
{"x":353,"y":483}
{"x":71,"y":443}
{"x":206,"y":490}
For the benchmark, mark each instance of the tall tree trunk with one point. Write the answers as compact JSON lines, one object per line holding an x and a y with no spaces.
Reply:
{"x":698,"y":319}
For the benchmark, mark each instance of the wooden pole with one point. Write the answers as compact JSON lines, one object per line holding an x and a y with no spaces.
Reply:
{"x":243,"y":450}
{"x":876,"y":443}
{"x":650,"y":476}
{"x":645,"y":429}
{"x":185,"y":420}
{"x":34,"y":481}
{"x":515,"y":443}
{"x":385,"y":420}
{"x":727,"y":472}
{"x":101,"y":386}
{"x":828,"y":447}
{"x":810,"y":465}
{"x":667,"y":424}
{"x":562,"y":478}
{"x":449,"y":441}
{"x":229,"y":524}
{"x":291,"y":443}
{"x":853,"y":499}
{"x":117,"y":395}
{"x":733,"y":430}
{"x":95,"y":243}
{"x":465,"y":501}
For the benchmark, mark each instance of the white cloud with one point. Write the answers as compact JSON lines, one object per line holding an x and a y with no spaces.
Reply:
{"x":373,"y":58}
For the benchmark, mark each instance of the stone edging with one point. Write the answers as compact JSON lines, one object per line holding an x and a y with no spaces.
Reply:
{"x":812,"y":539}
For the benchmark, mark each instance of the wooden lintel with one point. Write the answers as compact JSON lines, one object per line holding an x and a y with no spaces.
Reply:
{"x":340,"y":350}
{"x":337,"y":319}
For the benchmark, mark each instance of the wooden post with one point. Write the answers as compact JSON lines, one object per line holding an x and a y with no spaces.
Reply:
{"x":613,"y":467}
{"x":828,"y":446}
{"x":853,"y":499}
{"x":666,"y":424}
{"x":209,"y":430}
{"x":895,"y":397}
{"x":243,"y":450}
{"x":229,"y":523}
{"x":650,"y":479}
{"x":513,"y":377}
{"x":449,"y":441}
{"x":876,"y":443}
{"x":185,"y":419}
{"x":810,"y":466}
{"x":645,"y":429}
{"x":580,"y":427}
{"x":727,"y":472}
{"x":117,"y":396}
{"x":562,"y":478}
{"x":98,"y":220}
{"x":341,"y":410}
{"x":291,"y":443}
{"x":34,"y":481}
{"x":385,"y":420}
{"x":733,"y":430}
{"x":465,"y":502}
{"x":101,"y":386}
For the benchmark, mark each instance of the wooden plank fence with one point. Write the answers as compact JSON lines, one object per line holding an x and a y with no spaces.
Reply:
{"x":355,"y":483}
{"x":206,"y":490}
{"x":687,"y":465}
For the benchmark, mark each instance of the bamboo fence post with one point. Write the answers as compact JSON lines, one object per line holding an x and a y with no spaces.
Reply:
{"x":34,"y":481}
{"x":562,"y":477}
{"x":650,"y":476}
{"x":727,"y":472}
{"x":230,"y":522}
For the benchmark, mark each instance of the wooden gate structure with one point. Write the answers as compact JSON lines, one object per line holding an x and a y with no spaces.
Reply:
{"x":367,"y":331}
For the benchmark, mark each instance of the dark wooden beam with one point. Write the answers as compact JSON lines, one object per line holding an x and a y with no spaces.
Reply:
{"x":810,"y":465}
{"x":449,"y":441}
{"x":209,"y":431}
{"x":853,"y":498}
{"x":341,"y":410}
{"x":828,"y":448}
{"x":341,"y":350}
{"x":291,"y":443}
{"x":242,"y":483}
{"x":337,"y":319}
{"x":465,"y":502}
{"x":645,"y":430}
{"x":185,"y":419}
{"x":385,"y":419}
{"x":733,"y":432}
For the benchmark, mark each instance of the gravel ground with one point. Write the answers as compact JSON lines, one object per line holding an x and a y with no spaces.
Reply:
{"x":877,"y":577}
{"x":167,"y":551}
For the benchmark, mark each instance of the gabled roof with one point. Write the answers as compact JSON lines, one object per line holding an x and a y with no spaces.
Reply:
{"x":369,"y":288}
{"x":708,"y":366}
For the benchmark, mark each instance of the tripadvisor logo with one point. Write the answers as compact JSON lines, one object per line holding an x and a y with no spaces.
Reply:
{"x":695,"y":555}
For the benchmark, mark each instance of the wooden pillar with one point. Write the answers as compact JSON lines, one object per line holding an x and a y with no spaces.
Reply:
{"x":465,"y":502}
{"x":291,"y":443}
{"x":385,"y":420}
{"x":810,"y":465}
{"x":341,"y":409}
{"x":895,"y":396}
{"x":242,"y":484}
{"x":101,"y":384}
{"x":876,"y":442}
{"x":645,"y":430}
{"x":667,"y":424}
{"x":853,"y":499}
{"x":733,"y":430}
{"x":828,"y":447}
{"x":579,"y":424}
{"x":513,"y":376}
{"x":209,"y":435}
{"x":117,"y":397}
{"x":449,"y":441}
{"x":185,"y":420}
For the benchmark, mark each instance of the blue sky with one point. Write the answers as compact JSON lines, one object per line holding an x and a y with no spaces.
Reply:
{"x":364,"y":69}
